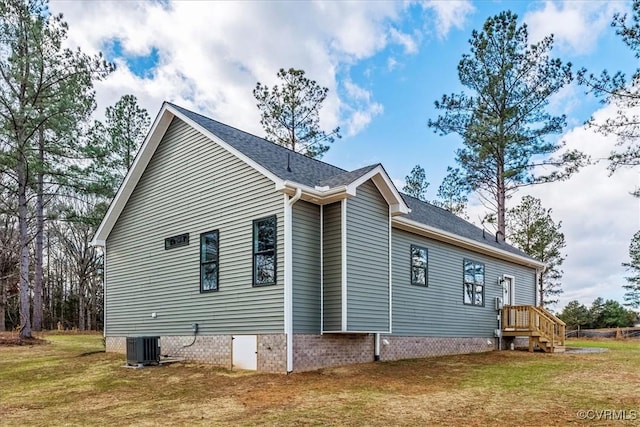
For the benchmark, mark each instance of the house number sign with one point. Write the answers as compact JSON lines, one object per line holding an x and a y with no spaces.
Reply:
{"x":176,"y":241}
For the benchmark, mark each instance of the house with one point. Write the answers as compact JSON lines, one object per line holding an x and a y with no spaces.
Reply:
{"x":238,"y":252}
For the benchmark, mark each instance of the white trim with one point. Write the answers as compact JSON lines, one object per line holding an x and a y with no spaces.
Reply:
{"x":288,"y":274}
{"x":151,"y":142}
{"x":321,"y":269}
{"x":228,"y":147}
{"x":536,"y":288}
{"x":357,"y":332}
{"x":384,"y":184}
{"x":156,"y":133}
{"x":325,"y":195}
{"x":104,"y":290}
{"x":343,"y":225}
{"x":390,"y":278}
{"x":444,"y":236}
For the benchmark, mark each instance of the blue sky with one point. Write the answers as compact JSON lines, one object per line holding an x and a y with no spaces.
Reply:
{"x":385,"y":64}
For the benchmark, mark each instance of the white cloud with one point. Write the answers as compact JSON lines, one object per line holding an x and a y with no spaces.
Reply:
{"x":403,"y":39}
{"x":364,"y":111}
{"x":598,"y":215}
{"x":576,"y":26}
{"x":211,"y":54}
{"x":449,"y":14}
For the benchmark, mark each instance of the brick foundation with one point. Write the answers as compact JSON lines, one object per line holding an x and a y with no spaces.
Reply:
{"x":312,"y":351}
{"x":212,"y":349}
{"x":321,"y":351}
{"x":215,"y":350}
{"x":272,"y":353}
{"x":415,"y":347}
{"x":116,"y":345}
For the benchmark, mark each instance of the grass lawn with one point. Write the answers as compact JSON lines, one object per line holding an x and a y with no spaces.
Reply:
{"x":71,"y":381}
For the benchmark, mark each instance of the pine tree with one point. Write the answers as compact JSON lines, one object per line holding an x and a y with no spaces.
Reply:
{"x":502,"y":121}
{"x":290,"y":113}
{"x":416,"y":183}
{"x":632,"y":288}
{"x":45,"y":89}
{"x":624,"y":94}
{"x":531,"y":228}
{"x":452,"y":193}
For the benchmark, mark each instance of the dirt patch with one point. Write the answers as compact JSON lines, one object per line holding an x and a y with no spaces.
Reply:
{"x":9,"y":339}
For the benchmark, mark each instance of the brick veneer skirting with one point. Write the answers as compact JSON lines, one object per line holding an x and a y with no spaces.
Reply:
{"x":312,"y":352}
{"x":396,"y":347}
{"x":321,"y":351}
{"x":215,"y":350}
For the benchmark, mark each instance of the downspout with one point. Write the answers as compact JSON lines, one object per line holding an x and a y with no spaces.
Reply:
{"x":376,"y":355}
{"x":288,"y":276}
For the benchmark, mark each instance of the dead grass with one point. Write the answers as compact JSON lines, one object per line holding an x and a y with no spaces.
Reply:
{"x":73,"y":382}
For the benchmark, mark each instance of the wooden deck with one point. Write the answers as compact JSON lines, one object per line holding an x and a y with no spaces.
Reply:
{"x":543,"y":329}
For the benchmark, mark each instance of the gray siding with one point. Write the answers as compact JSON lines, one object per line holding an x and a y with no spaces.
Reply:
{"x":367,"y":260}
{"x":192,"y":185}
{"x":306,"y":268}
{"x":438,"y":310}
{"x":332,"y":266}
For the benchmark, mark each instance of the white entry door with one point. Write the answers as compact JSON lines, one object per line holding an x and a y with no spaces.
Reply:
{"x":508,"y":299}
{"x":244,"y":352}
{"x":508,"y":290}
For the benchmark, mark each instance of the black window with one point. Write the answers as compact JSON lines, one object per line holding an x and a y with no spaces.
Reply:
{"x":419,"y":266}
{"x":209,"y":261}
{"x":264,"y":251}
{"x":473,"y":282}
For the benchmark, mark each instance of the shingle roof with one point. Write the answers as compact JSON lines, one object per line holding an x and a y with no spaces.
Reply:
{"x":289,"y":165}
{"x":346,"y":178}
{"x":273,"y":157}
{"x":442,"y":219}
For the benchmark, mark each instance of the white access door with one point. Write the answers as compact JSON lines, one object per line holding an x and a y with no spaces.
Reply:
{"x":244,"y":352}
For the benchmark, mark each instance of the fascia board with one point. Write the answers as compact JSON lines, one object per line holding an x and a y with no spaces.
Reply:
{"x":157,"y":131}
{"x":444,"y":236}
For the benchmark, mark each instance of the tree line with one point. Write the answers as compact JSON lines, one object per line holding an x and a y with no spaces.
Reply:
{"x":59,"y":170}
{"x":601,"y":314}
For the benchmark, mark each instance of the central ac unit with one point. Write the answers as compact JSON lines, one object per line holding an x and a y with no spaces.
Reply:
{"x":143,"y":350}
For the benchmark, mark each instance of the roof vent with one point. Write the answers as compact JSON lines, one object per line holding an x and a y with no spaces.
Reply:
{"x":288,"y":162}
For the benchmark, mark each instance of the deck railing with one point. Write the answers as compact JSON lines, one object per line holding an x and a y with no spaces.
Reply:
{"x":531,"y":320}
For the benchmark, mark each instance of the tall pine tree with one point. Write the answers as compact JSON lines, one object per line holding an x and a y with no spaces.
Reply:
{"x":531,"y":228}
{"x":502,"y":119}
{"x":632,"y":288}
{"x":290,"y":113}
{"x":624,"y":94}
{"x":45,"y":90}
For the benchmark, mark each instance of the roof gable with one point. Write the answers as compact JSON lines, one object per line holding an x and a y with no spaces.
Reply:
{"x":293,"y":172}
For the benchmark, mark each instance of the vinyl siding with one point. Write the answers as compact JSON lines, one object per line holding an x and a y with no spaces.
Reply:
{"x":332,"y":265}
{"x":438,"y":310}
{"x":367,"y":260}
{"x":192,"y":185}
{"x":306,"y":268}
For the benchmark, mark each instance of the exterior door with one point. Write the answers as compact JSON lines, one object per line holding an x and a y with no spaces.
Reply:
{"x":508,"y":299}
{"x":244,"y":352}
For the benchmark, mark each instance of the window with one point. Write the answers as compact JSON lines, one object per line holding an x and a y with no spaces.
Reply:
{"x":209,"y":261}
{"x":264,"y":251}
{"x":419,"y":264}
{"x":473,"y":283}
